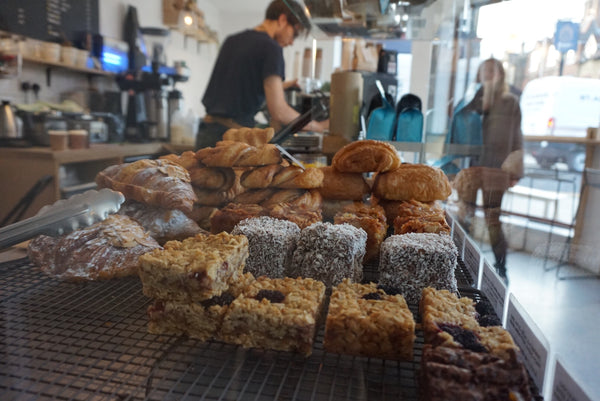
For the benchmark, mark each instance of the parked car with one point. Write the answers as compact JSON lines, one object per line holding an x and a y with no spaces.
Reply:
{"x":559,"y":106}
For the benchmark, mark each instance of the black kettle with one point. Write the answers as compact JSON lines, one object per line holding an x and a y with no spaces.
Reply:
{"x":9,"y":128}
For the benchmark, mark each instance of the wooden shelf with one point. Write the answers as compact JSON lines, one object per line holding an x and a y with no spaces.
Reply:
{"x":91,"y":71}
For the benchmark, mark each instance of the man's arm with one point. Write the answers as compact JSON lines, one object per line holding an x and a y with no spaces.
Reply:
{"x":281,"y":112}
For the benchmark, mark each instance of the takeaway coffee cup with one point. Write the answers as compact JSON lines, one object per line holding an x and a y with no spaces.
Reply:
{"x":78,"y":139}
{"x":59,"y":140}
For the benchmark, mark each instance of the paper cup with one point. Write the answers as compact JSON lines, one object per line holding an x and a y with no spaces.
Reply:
{"x":78,"y":139}
{"x":59,"y":140}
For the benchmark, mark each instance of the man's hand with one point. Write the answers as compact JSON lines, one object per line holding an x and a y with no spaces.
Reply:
{"x":290,"y":84}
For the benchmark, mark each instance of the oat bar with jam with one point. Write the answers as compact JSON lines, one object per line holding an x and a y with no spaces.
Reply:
{"x":279,"y":314}
{"x":195,"y":269}
{"x":369,"y":320}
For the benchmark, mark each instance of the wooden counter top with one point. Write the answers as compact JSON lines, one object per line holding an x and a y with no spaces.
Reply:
{"x":94,"y":152}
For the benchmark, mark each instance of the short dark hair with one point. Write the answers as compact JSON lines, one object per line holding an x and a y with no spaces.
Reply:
{"x":292,"y":10}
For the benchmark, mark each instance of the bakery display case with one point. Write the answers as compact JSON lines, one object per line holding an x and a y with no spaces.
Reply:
{"x":123,"y":339}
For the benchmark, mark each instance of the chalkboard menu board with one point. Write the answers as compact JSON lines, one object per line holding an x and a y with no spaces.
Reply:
{"x":49,"y":20}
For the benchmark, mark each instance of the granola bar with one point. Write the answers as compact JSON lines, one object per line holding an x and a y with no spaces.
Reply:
{"x":367,"y":320}
{"x":454,"y":374}
{"x":450,"y":321}
{"x":195,"y":269}
{"x":279,"y":314}
{"x":200,"y":320}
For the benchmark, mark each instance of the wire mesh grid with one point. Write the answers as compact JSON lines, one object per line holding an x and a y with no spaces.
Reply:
{"x":89,"y":341}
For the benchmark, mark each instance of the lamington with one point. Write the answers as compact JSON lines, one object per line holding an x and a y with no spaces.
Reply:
{"x":330,"y":253}
{"x":195,"y":269}
{"x":414,"y":261}
{"x":369,"y":320}
{"x":279,"y":314}
{"x":271,"y":244}
{"x":450,"y":321}
{"x":201,"y":320}
{"x":455,"y":374}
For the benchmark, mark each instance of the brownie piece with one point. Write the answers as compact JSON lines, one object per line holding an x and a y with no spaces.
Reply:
{"x":201,"y":320}
{"x":450,"y":321}
{"x":330,"y":253}
{"x":414,"y":261}
{"x":195,"y":269}
{"x":271,"y":243}
{"x":455,"y":374}
{"x":279,"y":314}
{"x":364,"y":320}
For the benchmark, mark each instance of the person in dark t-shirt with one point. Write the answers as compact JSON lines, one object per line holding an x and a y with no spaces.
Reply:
{"x":250,"y":70}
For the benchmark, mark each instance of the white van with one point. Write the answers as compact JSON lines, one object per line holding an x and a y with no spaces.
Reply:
{"x":559,"y":106}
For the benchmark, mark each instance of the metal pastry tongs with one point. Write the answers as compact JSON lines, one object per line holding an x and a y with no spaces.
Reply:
{"x":318,"y":110}
{"x":64,"y":216}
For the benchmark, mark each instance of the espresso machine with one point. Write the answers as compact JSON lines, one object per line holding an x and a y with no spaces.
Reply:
{"x":147,"y":82}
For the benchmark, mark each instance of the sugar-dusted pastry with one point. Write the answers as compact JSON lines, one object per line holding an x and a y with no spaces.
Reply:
{"x":367,"y":320}
{"x":163,"y":225}
{"x":271,"y":243}
{"x":330,"y":253}
{"x":279,"y":314}
{"x":159,"y":183}
{"x":412,"y":262}
{"x":366,"y":156}
{"x":195,"y":269}
{"x":412,"y":181}
{"x":105,"y":250}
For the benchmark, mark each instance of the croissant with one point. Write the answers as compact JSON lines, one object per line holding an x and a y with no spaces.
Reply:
{"x":259,"y":156}
{"x":216,"y":178}
{"x":226,"y":218}
{"x":412,"y":181}
{"x":254,"y":196}
{"x":310,"y":199}
{"x":238,"y":154}
{"x":201,"y":215}
{"x":224,"y":154}
{"x":369,"y":218}
{"x":366,"y":156}
{"x":300,"y":215}
{"x":260,"y":177}
{"x":163,"y":225}
{"x":400,"y":212}
{"x":153,"y":182}
{"x":343,"y":186}
{"x":295,"y":177}
{"x":251,"y":136}
{"x":187,"y":159}
{"x":278,"y":176}
{"x":105,"y":250}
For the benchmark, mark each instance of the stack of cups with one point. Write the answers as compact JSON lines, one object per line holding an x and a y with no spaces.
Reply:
{"x":78,"y":139}
{"x":59,"y":140}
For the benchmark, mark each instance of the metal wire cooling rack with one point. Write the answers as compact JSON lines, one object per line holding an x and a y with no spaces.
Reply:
{"x":89,"y":341}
